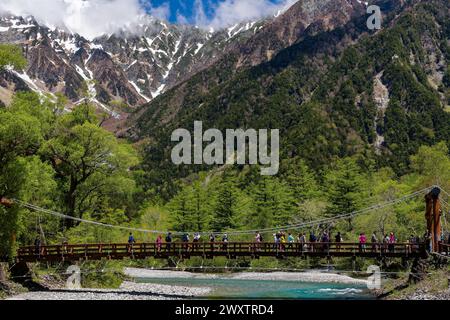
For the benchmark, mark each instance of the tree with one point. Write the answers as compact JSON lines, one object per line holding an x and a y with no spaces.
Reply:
{"x":225,"y":209}
{"x":84,"y":157}
{"x":300,"y":179}
{"x":433,"y":165}
{"x":19,"y":136}
{"x":201,"y":208}
{"x":272,"y":204}
{"x":181,"y":211}
{"x":11,"y":55}
{"x":346,"y":188}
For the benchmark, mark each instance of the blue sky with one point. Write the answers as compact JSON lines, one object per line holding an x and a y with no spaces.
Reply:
{"x":217,"y":13}
{"x":183,"y":7}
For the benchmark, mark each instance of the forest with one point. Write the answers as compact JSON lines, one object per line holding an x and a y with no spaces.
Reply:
{"x":66,"y":162}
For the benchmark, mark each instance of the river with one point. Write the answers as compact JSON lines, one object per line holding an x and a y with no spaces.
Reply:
{"x":228,"y":288}
{"x":150,"y":284}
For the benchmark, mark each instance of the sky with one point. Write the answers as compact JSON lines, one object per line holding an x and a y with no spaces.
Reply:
{"x":92,"y":18}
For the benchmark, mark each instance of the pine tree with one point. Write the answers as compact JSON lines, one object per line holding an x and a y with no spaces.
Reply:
{"x":182,"y":211}
{"x":200,"y":207}
{"x":273,"y":203}
{"x":345,"y":188}
{"x":301,"y":179}
{"x":225,"y":209}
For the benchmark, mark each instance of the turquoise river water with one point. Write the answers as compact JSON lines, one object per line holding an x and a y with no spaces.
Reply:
{"x":269,"y":289}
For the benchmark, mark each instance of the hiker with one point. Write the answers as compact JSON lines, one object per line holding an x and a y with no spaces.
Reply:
{"x":37,"y":246}
{"x":169,"y":241}
{"x":258,"y":240}
{"x":196,"y":240}
{"x":131,"y":239}
{"x":301,"y":241}
{"x":392,"y":241}
{"x":225,"y":241}
{"x":282,"y":242}
{"x":185,"y":240}
{"x":374,"y":240}
{"x":338,"y":240}
{"x":385,"y":242}
{"x":277,"y":239}
{"x":159,"y":242}
{"x":312,"y":240}
{"x":325,"y":241}
{"x":290,"y":240}
{"x":212,"y":239}
{"x":362,"y":242}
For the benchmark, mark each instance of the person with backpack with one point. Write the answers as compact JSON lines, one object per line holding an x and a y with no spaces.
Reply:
{"x":312,"y":240}
{"x":168,"y":241}
{"x":225,"y":242}
{"x":131,"y":241}
{"x":338,"y":240}
{"x":374,"y":240}
{"x":196,"y":241}
{"x":258,"y":240}
{"x":185,"y":240}
{"x":290,"y":241}
{"x":301,"y":239}
{"x":212,"y":239}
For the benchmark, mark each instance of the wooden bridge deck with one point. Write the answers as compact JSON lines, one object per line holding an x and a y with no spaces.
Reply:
{"x":207,"y":250}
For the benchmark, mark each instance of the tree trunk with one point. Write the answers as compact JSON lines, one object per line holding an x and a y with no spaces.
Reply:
{"x":71,"y":203}
{"x":3,"y":268}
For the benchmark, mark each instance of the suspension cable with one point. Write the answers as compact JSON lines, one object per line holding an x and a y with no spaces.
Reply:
{"x":242,"y":232}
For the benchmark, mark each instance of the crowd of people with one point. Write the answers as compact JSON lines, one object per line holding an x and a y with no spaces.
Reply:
{"x":283,"y":241}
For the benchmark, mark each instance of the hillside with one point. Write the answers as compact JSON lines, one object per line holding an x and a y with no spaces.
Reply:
{"x":339,"y":90}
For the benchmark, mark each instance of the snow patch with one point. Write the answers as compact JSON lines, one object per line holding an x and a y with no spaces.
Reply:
{"x":158,"y":91}
{"x":199,"y":47}
{"x":138,"y":90}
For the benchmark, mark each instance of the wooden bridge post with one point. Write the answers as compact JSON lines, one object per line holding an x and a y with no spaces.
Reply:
{"x":433,"y":217}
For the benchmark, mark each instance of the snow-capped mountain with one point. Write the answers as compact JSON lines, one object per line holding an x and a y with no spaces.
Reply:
{"x":127,"y":68}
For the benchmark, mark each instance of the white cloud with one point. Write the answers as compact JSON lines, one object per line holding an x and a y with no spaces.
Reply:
{"x":93,"y":18}
{"x":90,"y":18}
{"x":230,"y":12}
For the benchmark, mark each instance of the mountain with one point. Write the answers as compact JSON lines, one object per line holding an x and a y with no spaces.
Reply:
{"x":117,"y":71}
{"x":332,"y":86}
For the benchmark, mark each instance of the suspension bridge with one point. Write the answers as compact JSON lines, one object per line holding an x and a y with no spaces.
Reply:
{"x":208,"y":250}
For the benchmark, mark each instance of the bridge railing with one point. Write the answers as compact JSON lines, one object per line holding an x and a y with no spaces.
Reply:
{"x":217,"y":249}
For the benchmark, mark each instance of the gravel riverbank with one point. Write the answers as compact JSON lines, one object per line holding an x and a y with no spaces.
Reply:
{"x":127,"y":291}
{"x":311,"y":276}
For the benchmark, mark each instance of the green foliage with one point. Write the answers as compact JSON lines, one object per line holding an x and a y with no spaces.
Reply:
{"x":11,"y":55}
{"x":346,"y":187}
{"x":63,"y":162}
{"x":91,"y":165}
{"x":225,"y":210}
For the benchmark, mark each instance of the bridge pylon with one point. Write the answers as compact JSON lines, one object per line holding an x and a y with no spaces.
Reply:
{"x":433,"y":216}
